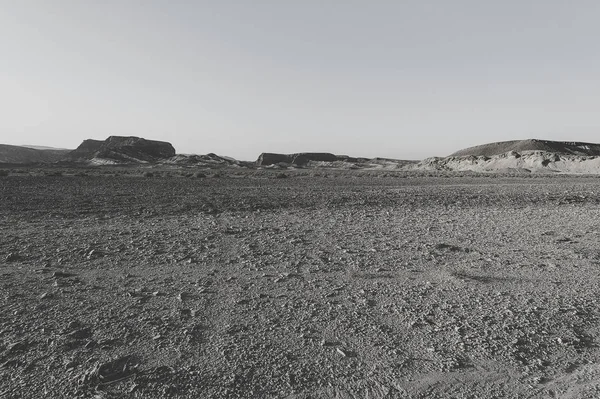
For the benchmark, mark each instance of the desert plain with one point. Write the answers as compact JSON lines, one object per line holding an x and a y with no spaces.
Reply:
{"x":328,"y":284}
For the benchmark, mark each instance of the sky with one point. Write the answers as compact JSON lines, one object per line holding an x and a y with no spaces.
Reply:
{"x":404,"y":79}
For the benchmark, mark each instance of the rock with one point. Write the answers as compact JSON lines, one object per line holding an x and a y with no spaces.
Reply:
{"x":82,"y":333}
{"x":4,"y":365}
{"x":62,"y":275}
{"x":109,"y":372}
{"x":12,"y":257}
{"x":344,"y":352}
{"x":16,"y":346}
{"x":324,"y":343}
{"x":94,"y":254}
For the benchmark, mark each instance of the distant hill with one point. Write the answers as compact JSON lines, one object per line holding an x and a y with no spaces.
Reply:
{"x":522,"y":156}
{"x":26,"y":154}
{"x":328,"y":160}
{"x":121,"y":150}
{"x":268,"y":158}
{"x":557,"y":147}
{"x":43,"y":147}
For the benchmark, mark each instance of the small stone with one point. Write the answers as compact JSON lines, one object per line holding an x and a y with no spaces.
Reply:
{"x":62,"y":275}
{"x":328,"y":343}
{"x":342,"y":352}
{"x":70,"y":364}
{"x":94,"y":253}
{"x":11,"y":257}
{"x":16,"y":346}
{"x":80,"y":334}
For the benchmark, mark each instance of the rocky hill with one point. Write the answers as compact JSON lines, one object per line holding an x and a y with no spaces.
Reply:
{"x":121,"y":150}
{"x":557,"y":147}
{"x":25,"y":154}
{"x":522,"y":156}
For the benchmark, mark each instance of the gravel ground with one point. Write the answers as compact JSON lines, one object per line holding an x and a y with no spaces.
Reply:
{"x":299,"y":287}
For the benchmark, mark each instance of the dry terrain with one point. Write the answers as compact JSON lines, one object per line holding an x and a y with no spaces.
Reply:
{"x":318,"y":285}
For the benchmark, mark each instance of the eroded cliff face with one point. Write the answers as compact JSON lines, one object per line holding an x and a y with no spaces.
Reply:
{"x":86,"y":150}
{"x":302,"y":158}
{"x":525,"y":161}
{"x":118,"y":149}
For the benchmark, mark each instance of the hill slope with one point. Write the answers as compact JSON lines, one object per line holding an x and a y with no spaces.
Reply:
{"x":209,"y":161}
{"x":22,"y":154}
{"x":540,"y":156}
{"x":557,"y":147}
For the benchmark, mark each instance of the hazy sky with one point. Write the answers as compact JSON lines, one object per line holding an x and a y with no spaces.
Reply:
{"x":402,"y":79}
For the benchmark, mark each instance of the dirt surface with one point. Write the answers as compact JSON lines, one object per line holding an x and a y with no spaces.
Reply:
{"x":299,"y":287}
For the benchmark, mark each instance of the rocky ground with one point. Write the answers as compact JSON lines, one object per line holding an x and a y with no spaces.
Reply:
{"x":310,"y":286}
